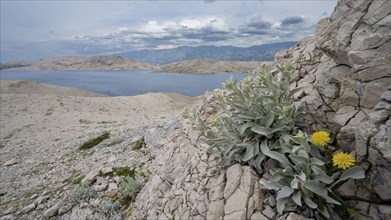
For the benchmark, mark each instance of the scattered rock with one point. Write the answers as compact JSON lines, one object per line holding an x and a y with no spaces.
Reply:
{"x":28,"y":208}
{"x":52,"y":211}
{"x":10,"y":162}
{"x":112,"y":190}
{"x":90,"y":178}
{"x":106,"y":170}
{"x":101,"y":184}
{"x":268,"y":211}
{"x":64,"y":209}
{"x":41,"y":199}
{"x":10,"y":210}
{"x":7,"y":217}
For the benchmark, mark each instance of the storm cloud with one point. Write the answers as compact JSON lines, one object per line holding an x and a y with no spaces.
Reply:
{"x":292,"y":20}
{"x":31,"y":30}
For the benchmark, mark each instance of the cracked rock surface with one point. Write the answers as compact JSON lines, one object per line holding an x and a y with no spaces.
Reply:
{"x":345,"y":72}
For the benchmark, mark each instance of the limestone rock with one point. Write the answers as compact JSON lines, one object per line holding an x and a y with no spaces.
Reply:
{"x":90,"y":177}
{"x":52,"y":211}
{"x":10,"y":162}
{"x":7,"y":217}
{"x":29,"y":208}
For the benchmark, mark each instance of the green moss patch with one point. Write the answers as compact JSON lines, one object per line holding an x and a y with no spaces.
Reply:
{"x":95,"y":141}
{"x":139,"y":144}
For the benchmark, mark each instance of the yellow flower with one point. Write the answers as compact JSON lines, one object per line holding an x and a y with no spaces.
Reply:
{"x":320,"y":138}
{"x":343,"y":160}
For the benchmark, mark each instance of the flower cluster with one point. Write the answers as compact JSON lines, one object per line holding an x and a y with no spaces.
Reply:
{"x":340,"y":160}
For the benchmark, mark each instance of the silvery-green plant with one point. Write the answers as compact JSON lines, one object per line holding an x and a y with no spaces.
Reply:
{"x":109,"y":209}
{"x":131,"y":186}
{"x":303,"y":180}
{"x":83,"y":193}
{"x":260,"y":107}
{"x":259,"y":121}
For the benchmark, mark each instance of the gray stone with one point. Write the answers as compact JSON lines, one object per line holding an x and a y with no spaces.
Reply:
{"x":29,"y":208}
{"x":7,"y":217}
{"x":382,"y":183}
{"x":268,"y":212}
{"x":258,"y":216}
{"x":90,"y":178}
{"x":10,"y":210}
{"x":112,"y":190}
{"x":41,"y":199}
{"x":64,"y":209}
{"x":216,"y":210}
{"x":106,"y":170}
{"x":101,"y":184}
{"x":344,"y":114}
{"x":52,"y":211}
{"x":10,"y":162}
{"x":234,"y":174}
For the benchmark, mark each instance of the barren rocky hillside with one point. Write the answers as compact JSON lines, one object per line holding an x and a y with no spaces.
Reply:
{"x":202,"y":66}
{"x":345,"y":73}
{"x":78,"y":63}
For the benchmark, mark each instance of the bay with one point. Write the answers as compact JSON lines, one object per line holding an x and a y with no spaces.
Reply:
{"x":126,"y":83}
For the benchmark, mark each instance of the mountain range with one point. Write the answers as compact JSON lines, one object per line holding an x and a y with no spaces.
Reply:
{"x":263,"y":52}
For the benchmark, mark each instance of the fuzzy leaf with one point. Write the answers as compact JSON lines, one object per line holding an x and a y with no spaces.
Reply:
{"x":268,"y":185}
{"x":267,"y":132}
{"x":316,"y":161}
{"x":281,"y":204}
{"x":295,"y":183}
{"x":298,"y":159}
{"x":309,"y":202}
{"x":315,"y":187}
{"x":296,"y":197}
{"x":353,"y":173}
{"x":268,"y":120}
{"x":284,"y":192}
{"x":323,"y":178}
{"x":249,"y":152}
{"x":275,"y":155}
{"x":331,"y":200}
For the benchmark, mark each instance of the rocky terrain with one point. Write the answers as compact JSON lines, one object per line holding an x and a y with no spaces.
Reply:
{"x":345,"y":73}
{"x":77,"y":63}
{"x":42,"y":128}
{"x":202,"y":66}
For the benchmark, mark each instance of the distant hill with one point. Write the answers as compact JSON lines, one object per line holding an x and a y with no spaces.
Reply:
{"x":263,"y":52}
{"x":110,"y":62}
{"x":204,"y":66}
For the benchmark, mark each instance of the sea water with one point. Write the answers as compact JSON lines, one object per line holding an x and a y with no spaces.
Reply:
{"x":127,"y":83}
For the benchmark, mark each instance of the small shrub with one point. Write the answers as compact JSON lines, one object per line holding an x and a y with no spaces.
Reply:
{"x":78,"y":179}
{"x":139,"y":144}
{"x":108,"y":208}
{"x":83,"y":193}
{"x":121,"y":171}
{"x":95,"y":141}
{"x":130,"y":187}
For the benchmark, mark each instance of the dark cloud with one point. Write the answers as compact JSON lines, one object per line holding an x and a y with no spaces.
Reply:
{"x":257,"y":25}
{"x":291,"y":21}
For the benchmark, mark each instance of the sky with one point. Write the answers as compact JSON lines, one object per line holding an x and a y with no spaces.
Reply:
{"x":30,"y":30}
